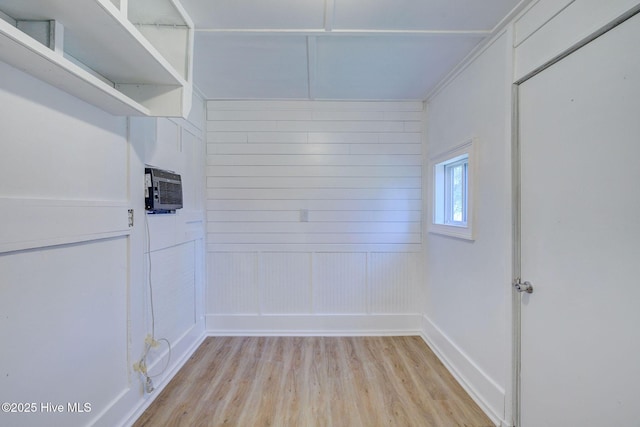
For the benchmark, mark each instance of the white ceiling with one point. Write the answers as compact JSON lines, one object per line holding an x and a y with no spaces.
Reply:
{"x":335,"y":49}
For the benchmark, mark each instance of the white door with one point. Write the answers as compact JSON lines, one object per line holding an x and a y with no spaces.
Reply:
{"x":580,"y":236}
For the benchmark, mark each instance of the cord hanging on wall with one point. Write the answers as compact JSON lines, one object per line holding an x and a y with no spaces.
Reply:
{"x":150,"y":341}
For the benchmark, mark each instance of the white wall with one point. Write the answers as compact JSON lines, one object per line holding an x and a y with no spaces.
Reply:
{"x":355,"y":169}
{"x":468,"y":282}
{"x":172,"y":254}
{"x":73,"y":292}
{"x":467,"y":316}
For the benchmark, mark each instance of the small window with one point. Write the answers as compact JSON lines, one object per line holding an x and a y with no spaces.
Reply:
{"x":452,"y":184}
{"x":455,"y":192}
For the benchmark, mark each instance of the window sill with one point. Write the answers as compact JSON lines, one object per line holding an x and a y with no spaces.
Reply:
{"x":458,"y":232}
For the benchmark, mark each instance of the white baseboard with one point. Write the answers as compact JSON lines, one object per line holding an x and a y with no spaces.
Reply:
{"x":482,"y":389}
{"x":133,"y":402}
{"x":321,"y":324}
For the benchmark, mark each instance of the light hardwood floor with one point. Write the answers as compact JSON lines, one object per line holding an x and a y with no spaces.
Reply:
{"x":313,"y":381}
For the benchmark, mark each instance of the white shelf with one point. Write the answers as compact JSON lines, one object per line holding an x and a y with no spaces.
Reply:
{"x":34,"y":58}
{"x":124,"y":73}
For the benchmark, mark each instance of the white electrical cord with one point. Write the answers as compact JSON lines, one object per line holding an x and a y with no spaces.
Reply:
{"x":153,"y":316}
{"x":151,"y":341}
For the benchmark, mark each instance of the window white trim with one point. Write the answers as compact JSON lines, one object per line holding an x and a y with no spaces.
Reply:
{"x":436,"y":222}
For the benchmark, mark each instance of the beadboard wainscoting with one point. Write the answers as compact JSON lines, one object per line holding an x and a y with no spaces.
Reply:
{"x":314,"y":213}
{"x":254,"y":293}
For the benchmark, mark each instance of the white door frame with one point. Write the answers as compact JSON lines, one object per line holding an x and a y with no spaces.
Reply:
{"x":516,"y":201}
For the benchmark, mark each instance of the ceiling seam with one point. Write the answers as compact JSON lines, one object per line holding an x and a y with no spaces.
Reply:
{"x":311,"y":66}
{"x":333,"y":32}
{"x":329,"y":7}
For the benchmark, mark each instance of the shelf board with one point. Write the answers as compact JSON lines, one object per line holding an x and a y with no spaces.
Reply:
{"x":98,"y":34}
{"x":161,"y":12}
{"x":29,"y":55}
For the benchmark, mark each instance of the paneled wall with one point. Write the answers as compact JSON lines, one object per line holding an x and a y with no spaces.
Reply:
{"x":313,"y":209}
{"x":63,"y":252}
{"x":172,"y":265}
{"x":74,"y":298}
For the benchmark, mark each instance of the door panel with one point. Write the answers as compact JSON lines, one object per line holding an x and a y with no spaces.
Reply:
{"x":580,"y":230}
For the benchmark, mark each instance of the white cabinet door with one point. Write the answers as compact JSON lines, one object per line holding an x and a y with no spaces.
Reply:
{"x":580,"y":236}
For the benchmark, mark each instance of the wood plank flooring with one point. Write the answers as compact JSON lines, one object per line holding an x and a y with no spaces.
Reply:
{"x":313,"y":381}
